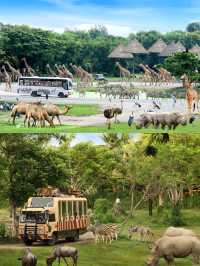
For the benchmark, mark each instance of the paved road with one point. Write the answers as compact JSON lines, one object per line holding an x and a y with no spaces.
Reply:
{"x":93,"y":98}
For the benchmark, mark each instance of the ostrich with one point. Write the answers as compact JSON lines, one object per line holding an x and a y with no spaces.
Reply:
{"x":113,"y":112}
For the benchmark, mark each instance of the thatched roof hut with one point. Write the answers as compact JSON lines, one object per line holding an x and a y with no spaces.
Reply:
{"x":173,"y":48}
{"x":120,"y":52}
{"x":195,"y":50}
{"x":157,"y":47}
{"x":135,"y":47}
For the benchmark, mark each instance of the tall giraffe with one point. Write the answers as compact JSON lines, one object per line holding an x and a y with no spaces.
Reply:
{"x":7,"y":79}
{"x":191,"y":94}
{"x":27,"y":70}
{"x":86,"y":76}
{"x":67,"y":72}
{"x":59,"y":71}
{"x":147,"y":74}
{"x":124,"y":73}
{"x":15,"y":74}
{"x":50,"y":71}
{"x":155,"y":76}
{"x":77,"y":71}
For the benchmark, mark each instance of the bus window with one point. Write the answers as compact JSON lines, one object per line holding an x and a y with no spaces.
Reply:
{"x":75,"y":208}
{"x":64,"y":210}
{"x":52,"y":217}
{"x":21,"y":82}
{"x":70,"y":208}
{"x":59,"y":209}
{"x":80,"y":208}
{"x":84,"y":208}
{"x":65,"y":85}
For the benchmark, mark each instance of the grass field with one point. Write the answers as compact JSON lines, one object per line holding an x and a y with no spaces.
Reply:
{"x":123,"y":252}
{"x":5,"y":127}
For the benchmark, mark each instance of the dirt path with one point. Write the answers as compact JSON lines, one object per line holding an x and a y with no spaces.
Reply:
{"x":85,"y":238}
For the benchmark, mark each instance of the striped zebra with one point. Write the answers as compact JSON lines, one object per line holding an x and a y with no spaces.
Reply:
{"x":104,"y":233}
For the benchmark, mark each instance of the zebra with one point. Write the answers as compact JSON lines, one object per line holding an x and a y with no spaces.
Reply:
{"x":144,"y":232}
{"x":104,"y":232}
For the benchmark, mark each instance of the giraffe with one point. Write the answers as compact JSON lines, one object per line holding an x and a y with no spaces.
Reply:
{"x":27,"y":70}
{"x":67,"y":73}
{"x":59,"y":71}
{"x":15,"y":74}
{"x":155,"y":76}
{"x":124,"y":73}
{"x":165,"y":75}
{"x":7,"y":78}
{"x":147,"y":74}
{"x":77,"y":71}
{"x":191,"y":94}
{"x":86,"y":76}
{"x":50,"y":71}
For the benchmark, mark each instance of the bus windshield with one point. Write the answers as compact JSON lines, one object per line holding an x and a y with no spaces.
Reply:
{"x":41,"y":202}
{"x":33,"y":217}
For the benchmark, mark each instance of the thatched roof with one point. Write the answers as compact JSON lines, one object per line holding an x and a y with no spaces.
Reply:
{"x":195,"y":50}
{"x":157,"y":47}
{"x":173,"y":48}
{"x":135,"y":47}
{"x":120,"y":52}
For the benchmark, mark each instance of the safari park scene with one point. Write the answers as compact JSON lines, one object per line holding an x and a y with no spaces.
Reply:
{"x":97,"y":82}
{"x":104,"y":199}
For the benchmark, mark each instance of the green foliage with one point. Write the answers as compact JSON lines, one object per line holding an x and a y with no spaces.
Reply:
{"x":183,"y":63}
{"x":194,"y":26}
{"x":2,"y":231}
{"x":176,"y":218}
{"x":103,"y":211}
{"x":89,"y":49}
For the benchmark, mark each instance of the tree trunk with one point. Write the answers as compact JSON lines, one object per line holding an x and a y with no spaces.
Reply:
{"x":132,"y":201}
{"x":150,"y":207}
{"x":14,"y":219}
{"x":160,"y":200}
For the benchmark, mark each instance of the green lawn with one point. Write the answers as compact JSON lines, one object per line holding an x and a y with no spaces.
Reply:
{"x":123,"y":252}
{"x":83,"y":109}
{"x":5,"y":127}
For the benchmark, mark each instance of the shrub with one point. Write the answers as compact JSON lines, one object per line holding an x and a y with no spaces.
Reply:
{"x":176,"y":217}
{"x":103,"y":211}
{"x":2,"y":231}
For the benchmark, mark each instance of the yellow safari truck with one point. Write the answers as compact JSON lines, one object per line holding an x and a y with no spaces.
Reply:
{"x":49,"y":219}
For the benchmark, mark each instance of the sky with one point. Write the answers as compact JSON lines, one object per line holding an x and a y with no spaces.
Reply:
{"x":97,"y":139}
{"x":121,"y":17}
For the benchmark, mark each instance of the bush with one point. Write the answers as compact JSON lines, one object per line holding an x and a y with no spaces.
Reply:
{"x":2,"y":231}
{"x":176,"y":217}
{"x":103,"y":211}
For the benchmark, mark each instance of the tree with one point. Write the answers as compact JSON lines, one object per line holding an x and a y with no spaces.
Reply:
{"x":25,"y":166}
{"x":194,"y":26}
{"x":183,"y":63}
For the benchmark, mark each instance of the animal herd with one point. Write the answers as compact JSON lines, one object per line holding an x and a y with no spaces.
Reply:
{"x":173,"y":243}
{"x":38,"y":112}
{"x":59,"y":252}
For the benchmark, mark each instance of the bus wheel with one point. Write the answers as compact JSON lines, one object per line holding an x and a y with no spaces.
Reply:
{"x":54,"y":240}
{"x":34,"y":94}
{"x":28,"y":242}
{"x":61,"y":95}
{"x":76,"y":237}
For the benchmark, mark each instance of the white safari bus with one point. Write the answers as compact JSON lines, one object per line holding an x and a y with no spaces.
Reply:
{"x":43,"y":86}
{"x":49,"y":219}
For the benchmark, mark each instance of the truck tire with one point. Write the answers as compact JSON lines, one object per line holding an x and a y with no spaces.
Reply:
{"x":61,"y":95}
{"x":53,"y":240}
{"x":28,"y":242}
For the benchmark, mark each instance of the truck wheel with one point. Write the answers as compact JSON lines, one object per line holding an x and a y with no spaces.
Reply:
{"x":34,"y":94}
{"x":28,"y":242}
{"x":54,"y":240}
{"x":61,"y":95}
{"x":76,"y":238}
